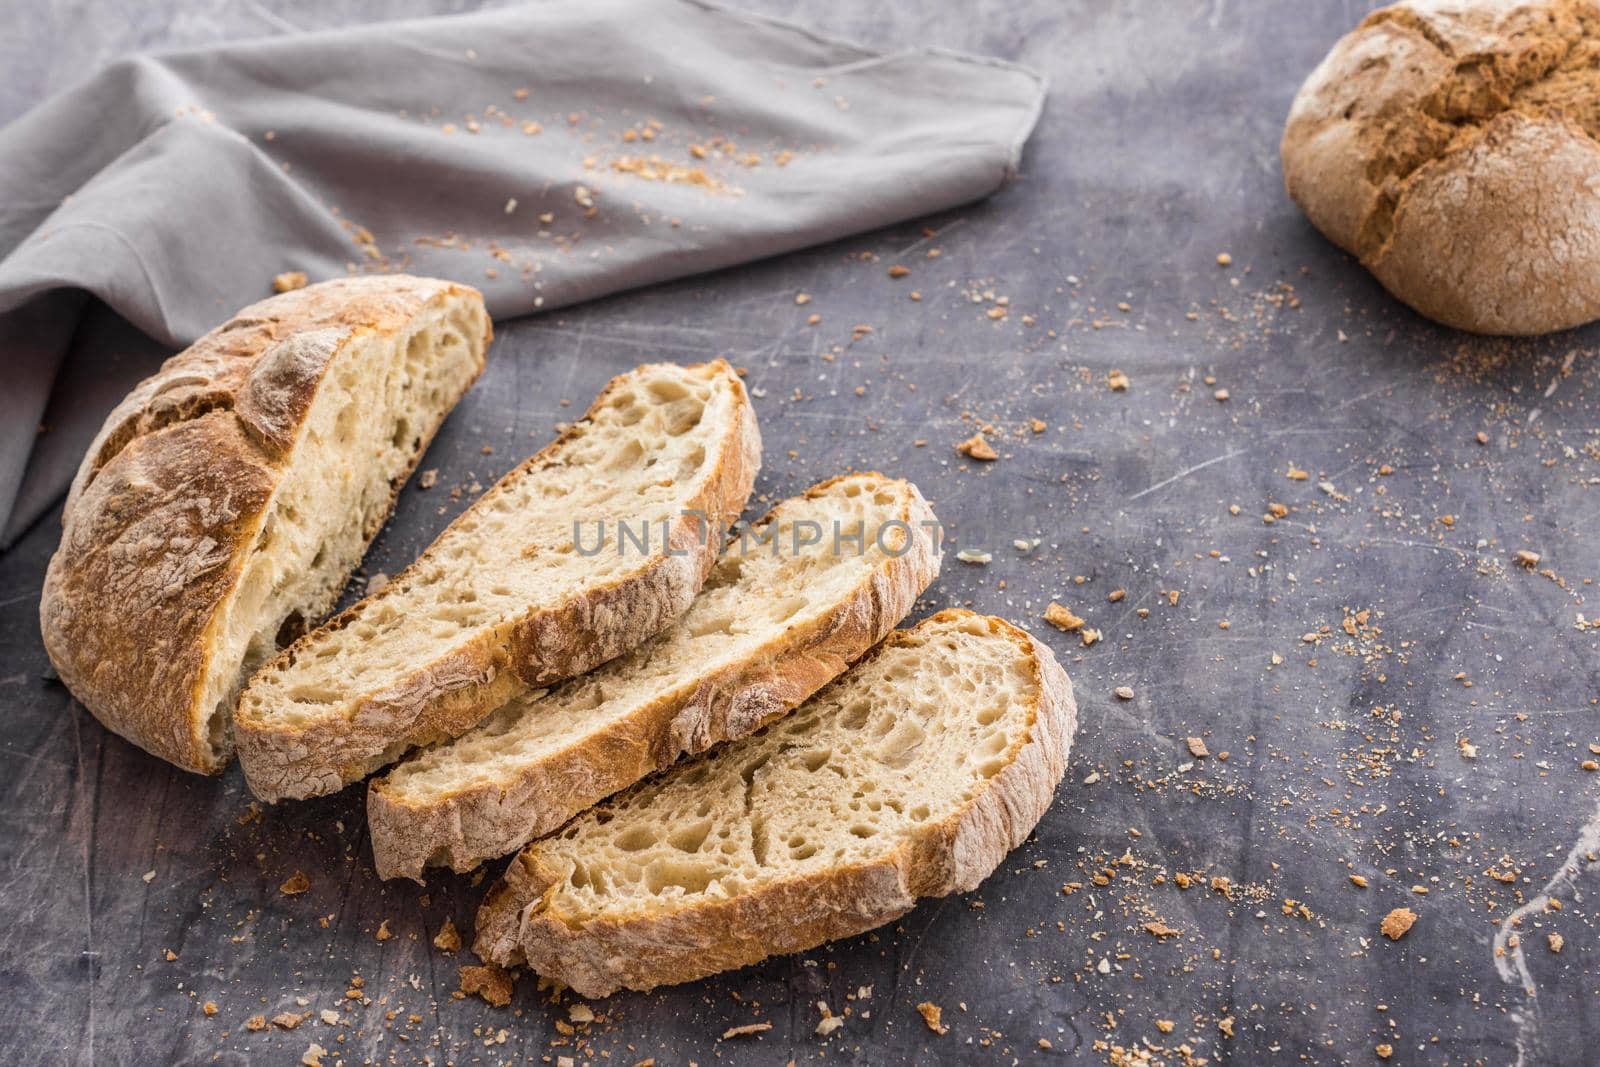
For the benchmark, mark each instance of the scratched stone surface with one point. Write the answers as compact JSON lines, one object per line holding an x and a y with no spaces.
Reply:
{"x":1401,"y":702}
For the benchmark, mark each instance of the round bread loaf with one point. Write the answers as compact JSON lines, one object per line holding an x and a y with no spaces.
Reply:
{"x":1450,"y":145}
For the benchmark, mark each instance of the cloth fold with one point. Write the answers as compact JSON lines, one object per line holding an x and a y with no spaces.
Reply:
{"x":546,"y":153}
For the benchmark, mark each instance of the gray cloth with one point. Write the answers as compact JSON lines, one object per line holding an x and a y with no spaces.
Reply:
{"x":143,"y":207}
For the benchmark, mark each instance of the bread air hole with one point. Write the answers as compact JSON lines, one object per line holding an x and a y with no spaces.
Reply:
{"x":691,"y":837}
{"x":636,"y":839}
{"x":661,"y":874}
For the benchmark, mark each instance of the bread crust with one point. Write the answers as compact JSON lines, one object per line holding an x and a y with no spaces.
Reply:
{"x":482,"y":821}
{"x":170,"y":499}
{"x":1450,"y":145}
{"x":446,"y":697}
{"x":520,"y":921}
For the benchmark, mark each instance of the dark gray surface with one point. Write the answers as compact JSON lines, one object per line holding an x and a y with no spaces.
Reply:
{"x":1156,"y":152}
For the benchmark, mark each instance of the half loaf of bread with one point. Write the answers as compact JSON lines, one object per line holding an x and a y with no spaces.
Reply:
{"x":576,"y":556}
{"x":794,"y":600}
{"x":911,"y":776}
{"x":227,"y":499}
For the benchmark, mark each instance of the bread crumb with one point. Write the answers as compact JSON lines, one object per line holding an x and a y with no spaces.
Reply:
{"x":1224,"y":260}
{"x":448,"y":939}
{"x":897,"y":271}
{"x":932,"y":1014}
{"x":1159,"y":929}
{"x":1384,"y":1051}
{"x":828,"y":1024}
{"x":1166,"y":1026}
{"x":1118,"y":382}
{"x":581,"y":1013}
{"x":384,"y":933}
{"x":802,"y":298}
{"x":289,"y":281}
{"x":1297,"y":475}
{"x":328,"y":1017}
{"x":1225,"y":1024}
{"x":296,"y":884}
{"x":1221,"y":394}
{"x":1527,"y":558}
{"x":1115,"y":595}
{"x":1062,"y":618}
{"x":1556,"y":941}
{"x":1037,"y":425}
{"x":975,"y":447}
{"x":255,"y":1023}
{"x":491,"y":983}
{"x":287,"y":1020}
{"x":210,"y":1007}
{"x":1397,"y":922}
{"x":1359,"y":881}
{"x":313,"y":1055}
{"x":745,"y":1031}
{"x":1124,"y":692}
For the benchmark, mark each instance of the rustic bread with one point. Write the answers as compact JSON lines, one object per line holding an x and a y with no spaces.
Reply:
{"x":228,"y":497}
{"x":1450,"y":145}
{"x":576,"y":556}
{"x":794,"y":600}
{"x":911,"y":776}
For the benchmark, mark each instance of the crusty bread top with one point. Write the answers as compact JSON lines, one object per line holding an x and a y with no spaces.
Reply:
{"x":912,"y":775}
{"x":795,"y":598}
{"x":169,"y":499}
{"x":1449,"y":144}
{"x":575,"y":556}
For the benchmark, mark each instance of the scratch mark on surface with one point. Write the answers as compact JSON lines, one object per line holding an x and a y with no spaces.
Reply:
{"x":931,"y":237}
{"x":1181,"y":475}
{"x":1399,"y":543}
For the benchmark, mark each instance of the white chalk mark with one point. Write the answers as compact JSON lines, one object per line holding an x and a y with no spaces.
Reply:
{"x":1181,"y":475}
{"x":1509,"y":959}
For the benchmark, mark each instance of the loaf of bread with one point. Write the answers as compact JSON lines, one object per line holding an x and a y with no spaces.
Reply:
{"x":576,"y":556}
{"x":226,"y":500}
{"x":1450,"y":146}
{"x":794,"y":600}
{"x":911,"y":776}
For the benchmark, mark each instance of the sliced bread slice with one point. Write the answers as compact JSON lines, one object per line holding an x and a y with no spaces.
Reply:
{"x":226,"y":500}
{"x":576,"y":556}
{"x":911,"y":776}
{"x":794,"y":600}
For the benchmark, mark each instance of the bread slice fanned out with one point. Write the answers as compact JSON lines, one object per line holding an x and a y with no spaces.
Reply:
{"x":910,"y":776}
{"x":794,"y":600}
{"x":227,"y":499}
{"x":576,"y":556}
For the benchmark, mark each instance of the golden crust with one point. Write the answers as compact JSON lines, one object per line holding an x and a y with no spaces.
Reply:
{"x":548,"y":643}
{"x":169,"y":499}
{"x":482,"y":821}
{"x":520,"y":921}
{"x":1449,"y":145}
